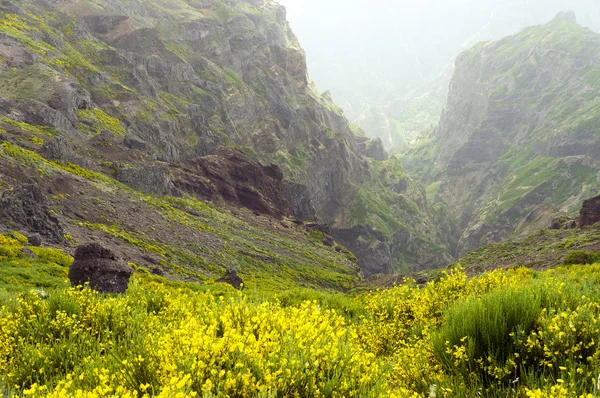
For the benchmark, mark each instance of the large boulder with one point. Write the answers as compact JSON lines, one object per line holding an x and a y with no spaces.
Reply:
{"x":590,"y":212}
{"x":101,"y":268}
{"x":232,"y":278}
{"x":25,"y":207}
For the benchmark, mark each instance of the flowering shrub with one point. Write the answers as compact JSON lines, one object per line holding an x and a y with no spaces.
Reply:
{"x":163,"y":341}
{"x":513,"y":333}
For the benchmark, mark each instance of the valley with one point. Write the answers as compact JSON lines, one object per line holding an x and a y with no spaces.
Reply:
{"x":183,"y":213}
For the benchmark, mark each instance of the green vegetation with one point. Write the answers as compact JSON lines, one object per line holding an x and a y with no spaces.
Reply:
{"x":262,"y":257}
{"x":18,"y":272}
{"x":97,"y":120}
{"x":581,"y":257}
{"x":41,"y":130}
{"x":501,"y":334}
{"x":223,"y":11}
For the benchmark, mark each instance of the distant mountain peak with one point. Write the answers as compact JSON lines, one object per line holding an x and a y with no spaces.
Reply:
{"x":567,"y":16}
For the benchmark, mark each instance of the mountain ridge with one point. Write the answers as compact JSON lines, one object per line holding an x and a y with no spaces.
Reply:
{"x":143,"y":91}
{"x":517,"y":143}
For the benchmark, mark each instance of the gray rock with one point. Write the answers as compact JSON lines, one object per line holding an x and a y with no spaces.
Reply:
{"x":60,"y":149}
{"x":35,"y":239}
{"x":26,"y":207}
{"x":299,"y":201}
{"x":151,"y":178}
{"x":369,"y":246}
{"x":28,"y":253}
{"x":101,"y":268}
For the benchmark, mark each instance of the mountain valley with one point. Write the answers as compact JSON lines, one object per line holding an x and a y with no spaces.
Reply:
{"x":183,"y":214}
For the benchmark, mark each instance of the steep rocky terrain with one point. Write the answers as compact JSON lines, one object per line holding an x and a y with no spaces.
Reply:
{"x":104,"y":102}
{"x":519,"y":141}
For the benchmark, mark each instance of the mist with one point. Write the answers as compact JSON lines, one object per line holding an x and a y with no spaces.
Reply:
{"x":388,"y":64}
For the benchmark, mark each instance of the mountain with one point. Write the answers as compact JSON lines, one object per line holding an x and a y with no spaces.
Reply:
{"x":519,"y":141}
{"x":379,"y":61}
{"x":103,"y":102}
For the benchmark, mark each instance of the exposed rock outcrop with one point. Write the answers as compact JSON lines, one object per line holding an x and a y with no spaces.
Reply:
{"x":171,"y":85}
{"x":372,"y":148}
{"x":299,"y":201}
{"x":151,"y":178}
{"x":232,"y":177}
{"x":26,"y":207}
{"x":101,"y":268}
{"x":590,"y":212}
{"x":369,"y":246}
{"x":516,"y":135}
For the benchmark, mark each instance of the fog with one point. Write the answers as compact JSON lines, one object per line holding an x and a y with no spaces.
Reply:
{"x":371,"y":54}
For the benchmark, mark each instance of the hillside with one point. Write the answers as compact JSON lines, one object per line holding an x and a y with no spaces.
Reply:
{"x":151,"y":93}
{"x":519,"y":141}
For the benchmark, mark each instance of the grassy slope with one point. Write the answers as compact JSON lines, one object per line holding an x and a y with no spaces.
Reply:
{"x":167,"y":338}
{"x":187,"y":238}
{"x":77,"y":55}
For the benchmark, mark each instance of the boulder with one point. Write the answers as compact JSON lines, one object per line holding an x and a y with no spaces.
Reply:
{"x":232,"y":278}
{"x":26,"y":207}
{"x":34,"y":239}
{"x":101,"y":268}
{"x":590,"y":212}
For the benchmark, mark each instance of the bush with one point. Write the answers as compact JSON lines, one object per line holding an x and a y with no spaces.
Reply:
{"x":479,"y":332}
{"x":581,"y":257}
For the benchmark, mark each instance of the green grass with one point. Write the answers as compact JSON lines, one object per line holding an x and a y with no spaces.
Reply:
{"x":484,"y":327}
{"x":18,"y":272}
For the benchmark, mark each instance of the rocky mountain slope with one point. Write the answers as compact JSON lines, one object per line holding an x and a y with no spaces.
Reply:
{"x":154,"y":95}
{"x":519,"y":140}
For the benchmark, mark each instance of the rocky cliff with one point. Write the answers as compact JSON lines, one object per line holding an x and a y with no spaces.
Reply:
{"x":519,"y":140}
{"x":145,"y":92}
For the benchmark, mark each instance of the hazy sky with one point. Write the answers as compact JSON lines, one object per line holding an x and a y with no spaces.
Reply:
{"x":376,"y":56}
{"x":412,"y":37}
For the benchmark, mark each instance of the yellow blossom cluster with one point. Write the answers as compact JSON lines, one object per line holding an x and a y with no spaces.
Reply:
{"x":161,"y":341}
{"x":514,"y":333}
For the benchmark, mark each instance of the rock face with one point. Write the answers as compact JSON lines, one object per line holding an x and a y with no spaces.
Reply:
{"x":299,"y":201}
{"x":517,"y":137}
{"x":26,"y":207}
{"x":167,"y":87}
{"x":101,"y":268}
{"x":590,"y":212}
{"x":148,"y":178}
{"x":231,"y":176}
{"x":369,"y":246}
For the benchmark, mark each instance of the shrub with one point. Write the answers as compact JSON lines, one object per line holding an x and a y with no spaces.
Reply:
{"x":581,"y":257}
{"x":477,"y":334}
